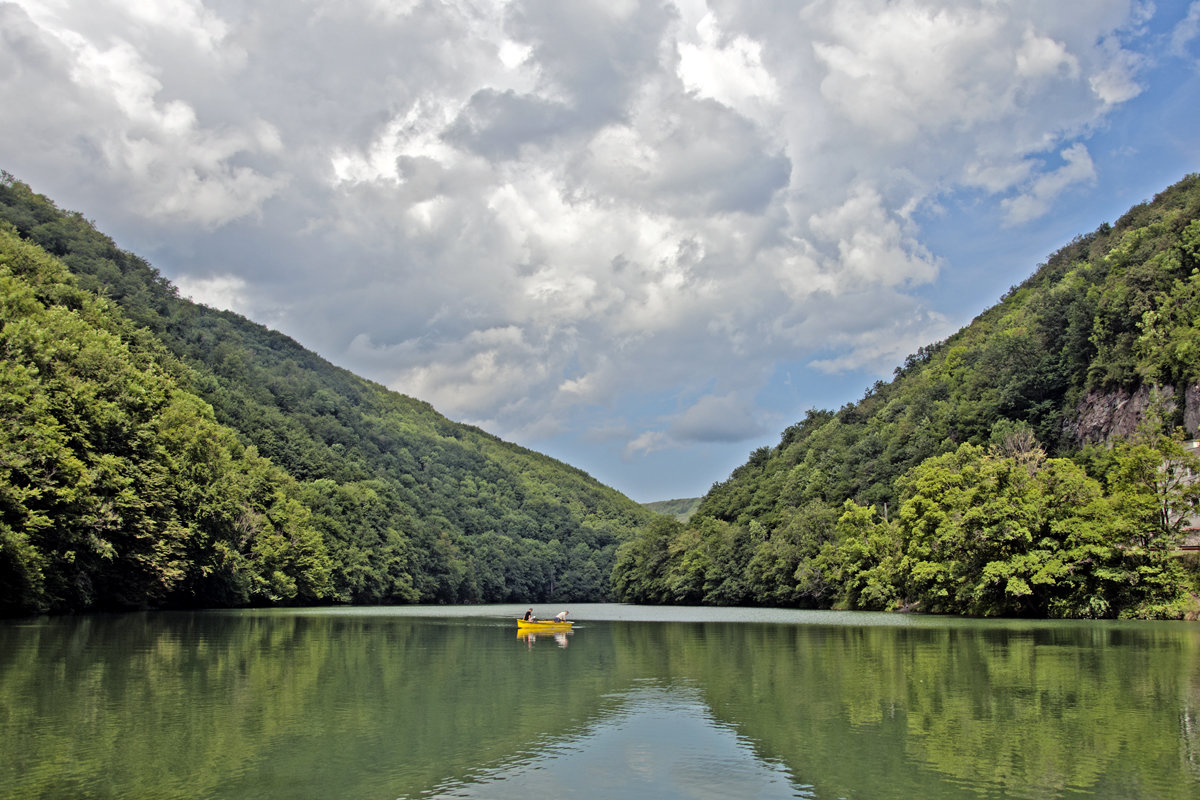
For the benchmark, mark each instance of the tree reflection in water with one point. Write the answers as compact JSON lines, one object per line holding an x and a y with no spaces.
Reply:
{"x":398,"y":703}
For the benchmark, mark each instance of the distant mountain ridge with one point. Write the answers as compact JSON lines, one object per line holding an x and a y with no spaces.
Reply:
{"x":407,"y":505}
{"x":1095,"y":358}
{"x":681,"y":509}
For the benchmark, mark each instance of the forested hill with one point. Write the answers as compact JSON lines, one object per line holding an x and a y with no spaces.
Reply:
{"x":681,"y":508}
{"x":1031,"y":464}
{"x":158,"y":452}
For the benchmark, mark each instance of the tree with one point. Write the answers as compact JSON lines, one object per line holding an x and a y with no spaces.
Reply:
{"x":986,"y":534}
{"x":639,"y":573}
{"x":863,"y":561}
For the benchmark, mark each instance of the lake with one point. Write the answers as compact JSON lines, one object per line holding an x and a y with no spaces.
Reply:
{"x":449,"y":702}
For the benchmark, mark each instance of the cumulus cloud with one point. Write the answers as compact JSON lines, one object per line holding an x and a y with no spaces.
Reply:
{"x":536,"y":214}
{"x":730,"y":72}
{"x":713,"y":418}
{"x":872,"y":247}
{"x":223,"y":292}
{"x":903,"y":68}
{"x":110,"y":97}
{"x":1077,"y":168}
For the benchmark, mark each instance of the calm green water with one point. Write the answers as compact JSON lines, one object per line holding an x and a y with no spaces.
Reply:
{"x":635,"y":702}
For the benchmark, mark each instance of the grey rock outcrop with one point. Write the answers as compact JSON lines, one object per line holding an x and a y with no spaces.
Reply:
{"x":1104,"y":416}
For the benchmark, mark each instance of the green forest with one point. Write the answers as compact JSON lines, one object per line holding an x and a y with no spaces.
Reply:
{"x":158,"y":453}
{"x":968,"y":484}
{"x":681,"y":509}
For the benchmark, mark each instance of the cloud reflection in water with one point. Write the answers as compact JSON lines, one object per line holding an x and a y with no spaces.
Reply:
{"x":659,"y":741}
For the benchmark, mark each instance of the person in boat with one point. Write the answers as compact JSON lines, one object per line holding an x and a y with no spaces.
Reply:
{"x":529,"y":617}
{"x":561,"y":616}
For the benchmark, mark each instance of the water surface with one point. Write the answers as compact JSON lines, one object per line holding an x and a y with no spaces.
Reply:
{"x":449,"y":702}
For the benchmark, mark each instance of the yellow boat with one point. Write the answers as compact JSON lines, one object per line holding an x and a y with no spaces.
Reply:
{"x":551,"y":625}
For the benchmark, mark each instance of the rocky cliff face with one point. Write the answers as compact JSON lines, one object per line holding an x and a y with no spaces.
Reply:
{"x":1103,"y":416}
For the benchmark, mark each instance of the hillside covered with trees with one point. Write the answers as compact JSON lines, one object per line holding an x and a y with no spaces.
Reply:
{"x":681,"y":508}
{"x":1032,"y":464}
{"x":159,"y":453}
{"x":155,"y":452}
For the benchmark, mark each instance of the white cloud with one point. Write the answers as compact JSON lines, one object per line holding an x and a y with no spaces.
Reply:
{"x":537,"y":214}
{"x":483,"y":377}
{"x":1046,"y":188}
{"x":513,"y":54}
{"x":224,"y":292}
{"x":901,"y":68}
{"x":872,"y":248}
{"x":646,"y":443}
{"x":1115,"y":83}
{"x":718,"y":418}
{"x":730,"y":72}
{"x":997,"y":176}
{"x":168,"y":163}
{"x":1186,"y":31}
{"x":187,"y":18}
{"x":1042,"y":57}
{"x":414,"y":135}
{"x":881,"y":348}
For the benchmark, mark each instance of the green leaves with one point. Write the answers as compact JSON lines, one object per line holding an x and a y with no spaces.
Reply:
{"x":1013,"y":529}
{"x":404,"y":503}
{"x":1003,"y":531}
{"x":117,"y":488}
{"x":990,"y":534}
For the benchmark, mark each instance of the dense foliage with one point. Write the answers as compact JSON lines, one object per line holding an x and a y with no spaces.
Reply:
{"x":681,"y":509}
{"x":156,"y":452}
{"x":161,"y":452}
{"x":117,"y":488}
{"x":936,"y":490}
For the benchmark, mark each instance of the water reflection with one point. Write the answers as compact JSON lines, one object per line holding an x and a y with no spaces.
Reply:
{"x":530,"y":639}
{"x":658,"y":741}
{"x":379,"y":704}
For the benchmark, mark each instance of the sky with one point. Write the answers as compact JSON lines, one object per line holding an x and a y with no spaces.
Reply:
{"x":640,"y":237}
